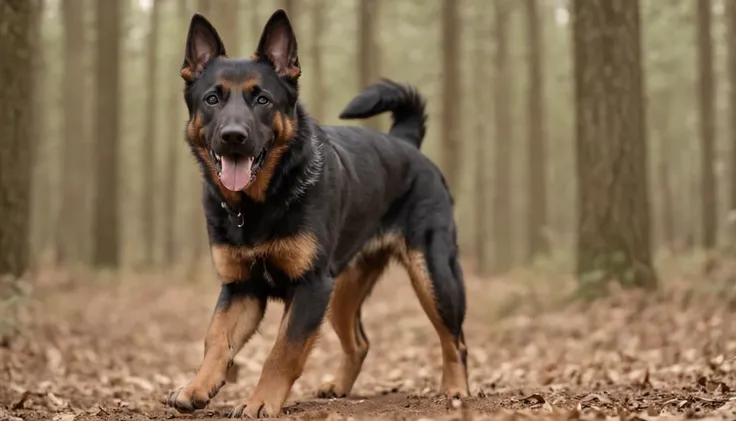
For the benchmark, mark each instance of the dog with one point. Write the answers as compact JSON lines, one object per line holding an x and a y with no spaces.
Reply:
{"x":310,"y":215}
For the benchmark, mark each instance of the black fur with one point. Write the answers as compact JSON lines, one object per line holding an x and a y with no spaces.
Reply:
{"x":343,"y":185}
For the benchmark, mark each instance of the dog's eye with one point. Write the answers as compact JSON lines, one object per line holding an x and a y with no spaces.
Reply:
{"x":211,"y":99}
{"x":262,"y":100}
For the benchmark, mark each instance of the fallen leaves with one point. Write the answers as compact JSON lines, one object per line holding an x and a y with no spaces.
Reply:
{"x":616,"y":360}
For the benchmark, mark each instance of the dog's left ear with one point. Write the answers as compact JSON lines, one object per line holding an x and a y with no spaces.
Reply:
{"x":278,"y":46}
{"x":203,"y":45}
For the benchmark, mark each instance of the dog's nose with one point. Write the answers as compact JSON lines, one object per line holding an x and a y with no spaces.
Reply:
{"x":233,"y":134}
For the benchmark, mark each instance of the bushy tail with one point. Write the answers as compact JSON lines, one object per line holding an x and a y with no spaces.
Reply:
{"x":407,"y":107}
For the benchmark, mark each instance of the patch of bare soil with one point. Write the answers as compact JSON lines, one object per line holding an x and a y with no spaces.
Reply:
{"x":112,"y":350}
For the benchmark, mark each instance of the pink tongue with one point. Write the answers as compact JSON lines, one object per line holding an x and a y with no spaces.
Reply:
{"x":235,"y":174}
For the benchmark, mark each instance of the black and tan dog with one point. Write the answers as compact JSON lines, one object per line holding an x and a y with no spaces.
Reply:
{"x":310,"y":215}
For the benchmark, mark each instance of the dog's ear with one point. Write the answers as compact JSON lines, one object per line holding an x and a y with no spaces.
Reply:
{"x":203,"y":45}
{"x":278,"y":46}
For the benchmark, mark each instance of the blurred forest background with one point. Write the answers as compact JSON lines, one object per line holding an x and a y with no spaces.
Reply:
{"x":610,"y":136}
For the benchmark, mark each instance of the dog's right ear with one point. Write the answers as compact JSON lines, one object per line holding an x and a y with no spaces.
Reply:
{"x":203,"y":45}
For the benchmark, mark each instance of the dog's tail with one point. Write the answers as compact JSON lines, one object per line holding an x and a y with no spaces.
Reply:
{"x":407,"y":107}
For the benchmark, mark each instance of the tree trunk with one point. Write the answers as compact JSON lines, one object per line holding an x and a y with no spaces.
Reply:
{"x":226,"y":18}
{"x":107,"y":219}
{"x":289,"y":7}
{"x":368,"y":51}
{"x":537,"y":142}
{"x":451,"y":130}
{"x":148,"y":159}
{"x":707,"y":124}
{"x":16,"y":156}
{"x":74,"y":165}
{"x":613,"y":199}
{"x":502,"y":225}
{"x":204,"y":7}
{"x":482,"y":171}
{"x":176,"y":122}
{"x":319,"y":94}
{"x":731,"y":30}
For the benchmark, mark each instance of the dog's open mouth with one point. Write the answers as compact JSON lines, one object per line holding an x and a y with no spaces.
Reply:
{"x":236,"y":172}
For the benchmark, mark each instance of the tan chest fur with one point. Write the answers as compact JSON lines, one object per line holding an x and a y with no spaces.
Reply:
{"x":294,"y":256}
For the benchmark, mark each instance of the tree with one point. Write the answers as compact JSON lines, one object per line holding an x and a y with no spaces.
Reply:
{"x":175,"y":119}
{"x":148,"y":159}
{"x":368,"y":51}
{"x":481,"y":138}
{"x":16,"y":156}
{"x":226,"y":18}
{"x":319,"y":92}
{"x":450,"y":88}
{"x":613,"y":199}
{"x":537,"y":141}
{"x":74,"y":164}
{"x":731,"y":31}
{"x":706,"y":78}
{"x":502,"y":234}
{"x":106,"y":231}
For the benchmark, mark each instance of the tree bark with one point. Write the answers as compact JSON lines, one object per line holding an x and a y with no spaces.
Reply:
{"x":537,"y":142}
{"x":731,"y":31}
{"x":707,"y":124}
{"x":226,"y":18}
{"x":148,"y":159}
{"x":482,"y":232}
{"x":318,"y":89}
{"x":451,"y":130}
{"x":74,"y":165}
{"x":368,"y":51}
{"x":613,"y":199}
{"x":107,"y":214}
{"x":502,"y":224}
{"x":16,"y":113}
{"x":176,"y":120}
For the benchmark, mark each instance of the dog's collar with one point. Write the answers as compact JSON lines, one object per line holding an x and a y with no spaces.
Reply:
{"x":235,"y":217}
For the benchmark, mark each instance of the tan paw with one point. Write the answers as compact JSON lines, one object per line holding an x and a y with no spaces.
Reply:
{"x":330,"y":390}
{"x":254,"y":409}
{"x":190,"y":397}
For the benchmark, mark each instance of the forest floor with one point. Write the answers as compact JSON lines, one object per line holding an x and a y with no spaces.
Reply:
{"x":111,"y":348}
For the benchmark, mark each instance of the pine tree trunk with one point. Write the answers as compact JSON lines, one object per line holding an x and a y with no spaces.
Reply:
{"x":537,"y":142}
{"x":502,"y":225}
{"x":319,"y":93}
{"x":16,"y":113}
{"x":451,"y":130}
{"x":368,"y":52}
{"x":226,"y":19}
{"x":106,"y":233}
{"x":148,"y":159}
{"x":707,"y":124}
{"x":481,"y":194}
{"x":176,"y":122}
{"x":74,"y":175}
{"x":613,"y":199}
{"x":731,"y":31}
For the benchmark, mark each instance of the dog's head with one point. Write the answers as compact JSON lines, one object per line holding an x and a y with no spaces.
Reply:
{"x":239,"y":109}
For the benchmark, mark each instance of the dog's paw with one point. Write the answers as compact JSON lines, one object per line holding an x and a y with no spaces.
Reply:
{"x":329,"y":391}
{"x":189,"y":398}
{"x":254,"y":409}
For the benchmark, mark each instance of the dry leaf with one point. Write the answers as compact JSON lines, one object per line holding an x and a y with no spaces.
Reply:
{"x":534,"y":399}
{"x":140,"y":382}
{"x":18,"y":404}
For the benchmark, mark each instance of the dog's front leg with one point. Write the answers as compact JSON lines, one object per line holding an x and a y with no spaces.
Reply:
{"x":237,"y":316}
{"x":303,"y":314}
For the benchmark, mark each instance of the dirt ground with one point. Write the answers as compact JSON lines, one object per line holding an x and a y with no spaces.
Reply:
{"x":111,"y":349}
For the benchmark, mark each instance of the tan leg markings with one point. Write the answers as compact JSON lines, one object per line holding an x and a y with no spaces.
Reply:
{"x":351,"y":289}
{"x":454,"y":372}
{"x":231,"y":327}
{"x":282,"y":368}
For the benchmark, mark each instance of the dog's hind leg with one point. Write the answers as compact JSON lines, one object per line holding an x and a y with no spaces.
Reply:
{"x":351,"y":289}
{"x":438,"y":282}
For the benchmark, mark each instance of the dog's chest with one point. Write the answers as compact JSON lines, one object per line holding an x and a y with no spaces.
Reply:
{"x":293,"y":256}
